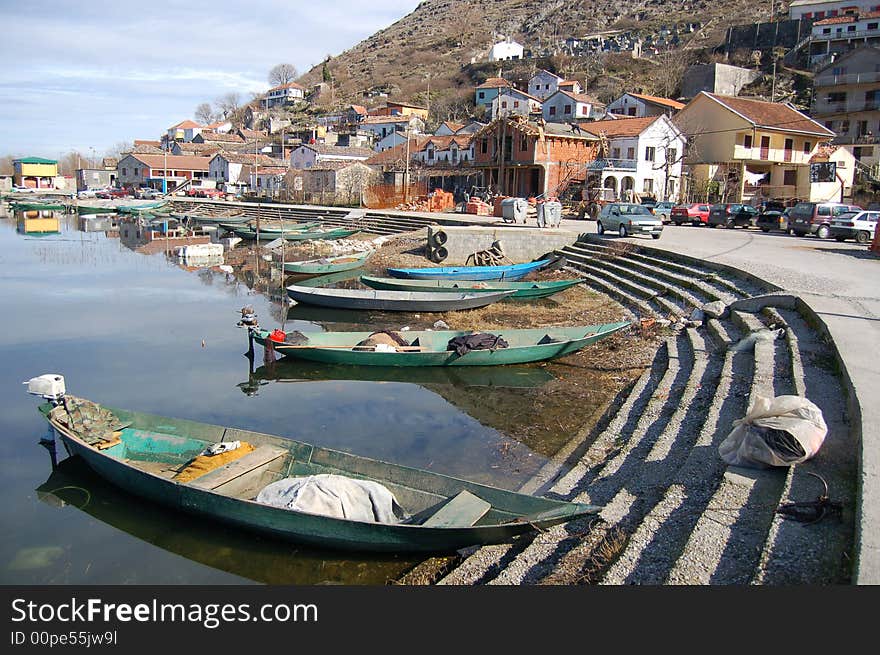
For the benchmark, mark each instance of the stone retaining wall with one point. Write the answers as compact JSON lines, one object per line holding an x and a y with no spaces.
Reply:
{"x":518,"y":244}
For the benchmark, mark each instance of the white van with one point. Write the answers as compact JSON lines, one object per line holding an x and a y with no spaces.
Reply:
{"x":858,"y":225}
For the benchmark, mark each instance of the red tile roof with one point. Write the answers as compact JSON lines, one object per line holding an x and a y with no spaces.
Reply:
{"x":620,"y":127}
{"x":245,"y":158}
{"x":221,"y":137}
{"x":289,"y":85}
{"x":453,"y":127}
{"x":666,"y":102}
{"x":581,"y":97}
{"x":495,"y":83}
{"x":183,"y":125}
{"x":772,"y":115}
{"x":398,"y":152}
{"x":837,"y":20}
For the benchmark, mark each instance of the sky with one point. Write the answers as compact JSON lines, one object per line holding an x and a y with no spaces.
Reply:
{"x":88,"y":75}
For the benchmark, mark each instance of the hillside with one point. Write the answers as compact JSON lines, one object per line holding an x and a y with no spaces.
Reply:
{"x":442,"y":44}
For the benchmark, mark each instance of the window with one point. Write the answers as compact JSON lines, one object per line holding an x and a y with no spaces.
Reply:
{"x":523,"y":143}
{"x":504,"y":104}
{"x":431,"y":153}
{"x":872,"y":26}
{"x":481,"y":95}
{"x":826,"y":30}
{"x":747,"y":141}
{"x":808,"y":147}
{"x":630,"y":153}
{"x":137,"y":172}
{"x":567,"y":109}
{"x":631,"y":111}
{"x":553,"y":111}
{"x":850,"y":28}
{"x":648,"y":186}
{"x":515,"y":104}
{"x":124,"y":172}
{"x":649,"y":153}
{"x":484,"y":146}
{"x":615,"y":153}
{"x":837,"y":96}
{"x":671,"y":155}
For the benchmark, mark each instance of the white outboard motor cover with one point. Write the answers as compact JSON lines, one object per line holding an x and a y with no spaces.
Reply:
{"x":50,"y":385}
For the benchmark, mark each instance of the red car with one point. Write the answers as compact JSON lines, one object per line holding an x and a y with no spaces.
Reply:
{"x":113,"y":193}
{"x":212,"y":193}
{"x":695,"y":213}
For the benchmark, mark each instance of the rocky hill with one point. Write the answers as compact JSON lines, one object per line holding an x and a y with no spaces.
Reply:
{"x":436,"y":53}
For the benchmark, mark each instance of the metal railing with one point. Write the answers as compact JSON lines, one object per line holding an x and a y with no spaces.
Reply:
{"x":619,"y":164}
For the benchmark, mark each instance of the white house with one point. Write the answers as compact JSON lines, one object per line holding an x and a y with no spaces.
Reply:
{"x":446,"y":150}
{"x":235,"y":168}
{"x":381,"y":126}
{"x":818,"y":9}
{"x":544,"y":84}
{"x":184,"y":131}
{"x":505,"y":50}
{"x":267,"y":180}
{"x":391,"y":140}
{"x":644,"y":156}
{"x":513,"y":101}
{"x":283,"y":94}
{"x":639,"y":105}
{"x":564,"y":106}
{"x":310,"y":154}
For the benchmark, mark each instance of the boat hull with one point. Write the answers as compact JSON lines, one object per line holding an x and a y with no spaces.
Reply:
{"x":511,"y":272}
{"x":332,"y":265}
{"x":392,"y":301}
{"x":322,"y":531}
{"x":336,"y":348}
{"x":524,"y":290}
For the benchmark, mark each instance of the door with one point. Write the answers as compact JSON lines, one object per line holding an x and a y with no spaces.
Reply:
{"x":765,"y":147}
{"x":789,"y":145}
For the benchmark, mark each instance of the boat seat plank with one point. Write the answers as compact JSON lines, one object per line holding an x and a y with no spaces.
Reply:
{"x":254,"y":459}
{"x":463,"y":510}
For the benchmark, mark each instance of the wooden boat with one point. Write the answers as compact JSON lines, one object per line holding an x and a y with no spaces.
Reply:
{"x":249,"y":232}
{"x":430,"y":348}
{"x":524,"y":290}
{"x":216,"y":220}
{"x":326,"y":265}
{"x":509,"y":272}
{"x":392,"y":301}
{"x":35,"y":206}
{"x":142,"y":453}
{"x":95,"y":209}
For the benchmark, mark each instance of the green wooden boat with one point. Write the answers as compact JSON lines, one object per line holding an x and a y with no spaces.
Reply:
{"x":299,"y":235}
{"x":95,"y":209}
{"x":216,"y":220}
{"x":249,"y":232}
{"x":142,"y":453}
{"x":524,"y":290}
{"x":430,"y":347}
{"x":326,"y":265}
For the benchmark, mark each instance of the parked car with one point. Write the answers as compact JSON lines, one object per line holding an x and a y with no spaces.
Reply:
{"x":86,"y":193}
{"x":628,"y":218}
{"x":148,"y":194}
{"x":858,"y":225}
{"x":650,"y":203}
{"x":694,"y":213}
{"x":773,"y":216}
{"x":732,"y":215}
{"x":663,"y":210}
{"x":212,"y":193}
{"x":815,"y":217}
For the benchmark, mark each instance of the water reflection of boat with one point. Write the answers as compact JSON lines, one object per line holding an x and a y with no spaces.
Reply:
{"x":262,"y":559}
{"x":514,"y":376}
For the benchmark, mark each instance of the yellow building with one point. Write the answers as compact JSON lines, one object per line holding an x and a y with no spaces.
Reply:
{"x":35,"y":172}
{"x":747,"y":150}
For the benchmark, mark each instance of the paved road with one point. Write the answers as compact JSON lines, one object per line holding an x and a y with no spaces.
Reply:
{"x":840,"y":282}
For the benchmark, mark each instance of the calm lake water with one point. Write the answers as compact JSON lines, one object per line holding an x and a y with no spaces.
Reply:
{"x":137,"y":330}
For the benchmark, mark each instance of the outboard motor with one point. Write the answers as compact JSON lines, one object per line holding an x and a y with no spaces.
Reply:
{"x":50,"y":387}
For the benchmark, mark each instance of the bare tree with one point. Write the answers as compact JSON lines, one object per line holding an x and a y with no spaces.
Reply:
{"x":282,"y":74}
{"x":228,"y":103}
{"x":204,"y":114}
{"x":118,"y":149}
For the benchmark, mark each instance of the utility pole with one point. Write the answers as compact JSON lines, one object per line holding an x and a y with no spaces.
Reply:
{"x":503,"y":130}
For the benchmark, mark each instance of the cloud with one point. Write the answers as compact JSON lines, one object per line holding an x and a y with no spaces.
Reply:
{"x":105,"y":73}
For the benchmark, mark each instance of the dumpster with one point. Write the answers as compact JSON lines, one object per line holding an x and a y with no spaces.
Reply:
{"x":513,"y":210}
{"x":552,"y":210}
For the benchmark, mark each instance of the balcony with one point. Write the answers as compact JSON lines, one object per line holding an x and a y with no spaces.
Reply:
{"x":612,"y":165}
{"x":756,"y":153}
{"x":827,"y":79}
{"x":843,"y":36}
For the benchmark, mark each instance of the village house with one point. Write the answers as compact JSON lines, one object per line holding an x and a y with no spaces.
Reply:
{"x":819,"y":9}
{"x":743,"y":150}
{"x":284,"y":94}
{"x":400,"y":109}
{"x":151,"y":170}
{"x":219,"y":126}
{"x":506,"y":50}
{"x":846,"y":100}
{"x":446,"y":150}
{"x":564,"y":106}
{"x":308,"y":155}
{"x":183,"y":131}
{"x":332,"y":182}
{"x":381,"y":126}
{"x":267,"y":180}
{"x":523,"y":158}
{"x":448,"y":128}
{"x":832,"y":37}
{"x":486,"y":92}
{"x":192,"y":148}
{"x":544,"y":84}
{"x":390,"y":141}
{"x":513,"y":101}
{"x":95,"y":178}
{"x":233,"y":170}
{"x":641,"y":155}
{"x":35,"y":172}
{"x":217,"y":138}
{"x":639,"y":105}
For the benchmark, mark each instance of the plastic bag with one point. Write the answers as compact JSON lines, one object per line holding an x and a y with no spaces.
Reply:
{"x":781,"y":431}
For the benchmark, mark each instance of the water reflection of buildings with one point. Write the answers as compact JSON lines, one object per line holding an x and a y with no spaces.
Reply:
{"x":150,"y":238}
{"x":39,"y":223}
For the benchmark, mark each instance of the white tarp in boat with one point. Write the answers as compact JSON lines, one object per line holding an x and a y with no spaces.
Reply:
{"x":334,"y":495}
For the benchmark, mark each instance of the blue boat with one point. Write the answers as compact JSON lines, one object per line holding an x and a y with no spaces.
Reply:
{"x":511,"y":272}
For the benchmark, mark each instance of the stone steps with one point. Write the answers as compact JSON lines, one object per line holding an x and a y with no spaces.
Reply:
{"x":673,"y":511}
